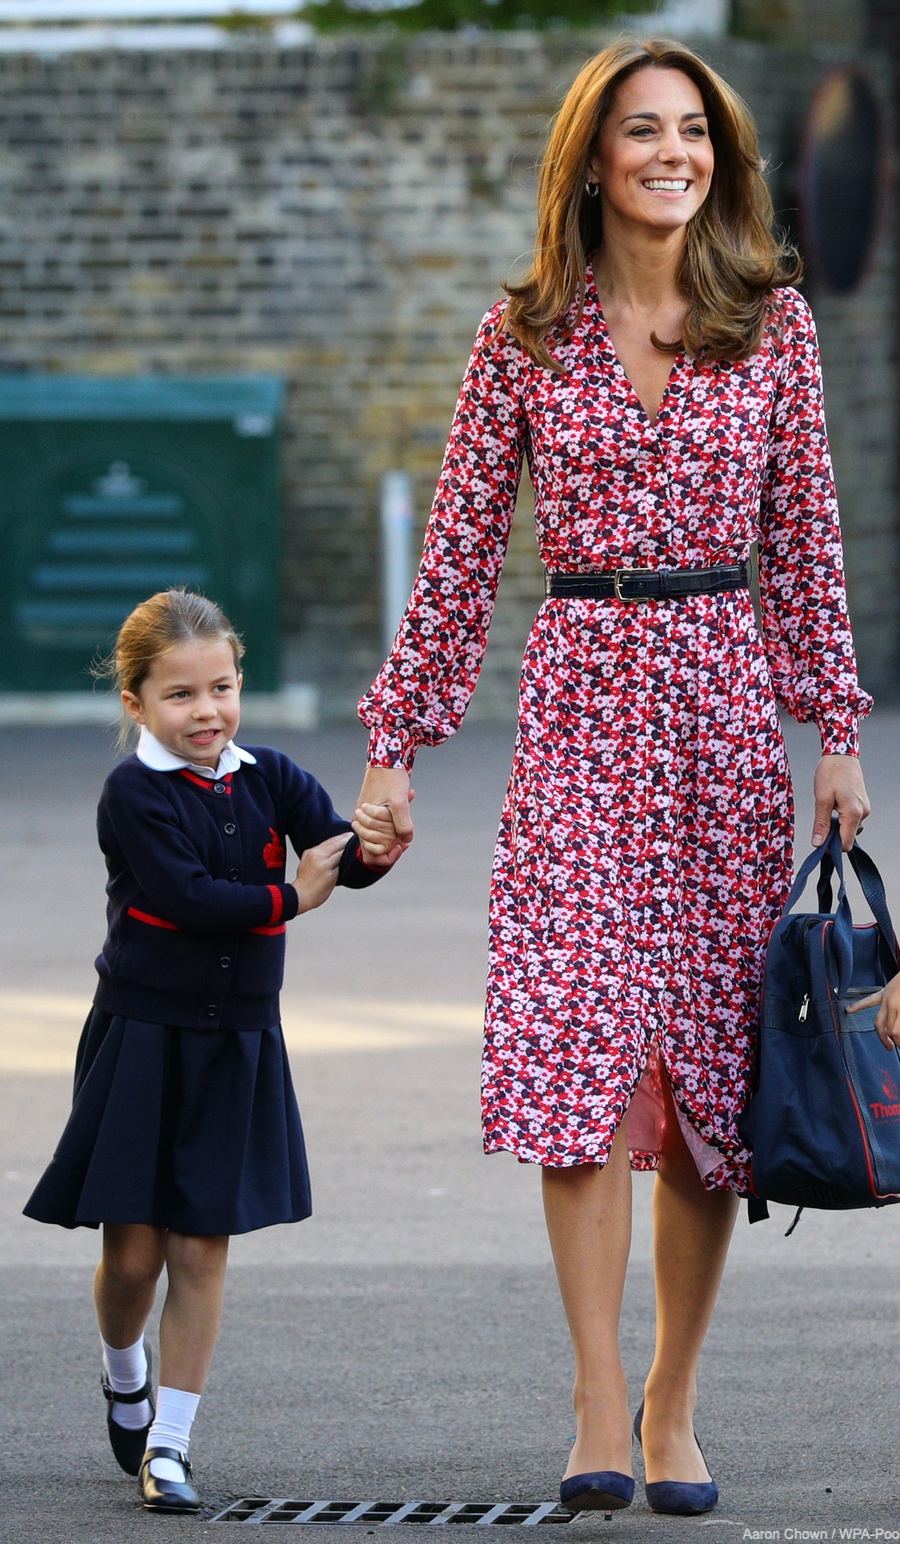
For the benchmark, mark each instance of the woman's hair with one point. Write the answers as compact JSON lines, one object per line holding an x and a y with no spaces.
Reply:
{"x":731,"y":261}
{"x":161,"y":623}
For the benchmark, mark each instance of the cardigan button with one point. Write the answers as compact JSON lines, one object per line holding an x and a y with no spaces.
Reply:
{"x":232,"y":874}
{"x":218,"y":787}
{"x":225,"y":962}
{"x":212,"y":1011}
{"x":230,"y":828}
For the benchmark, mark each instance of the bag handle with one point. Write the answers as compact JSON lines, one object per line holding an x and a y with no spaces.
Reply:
{"x":829,"y":857}
{"x":872,"y":886}
{"x":814,"y":861}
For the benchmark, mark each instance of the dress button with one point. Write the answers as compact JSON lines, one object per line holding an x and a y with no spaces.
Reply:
{"x":218,"y":787}
{"x":232,"y":873}
{"x":225,"y":962}
{"x":230,"y":828}
{"x":212,"y":1011}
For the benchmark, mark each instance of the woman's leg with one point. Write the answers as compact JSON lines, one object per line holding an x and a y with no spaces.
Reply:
{"x":192,"y":1315}
{"x":692,"y":1229}
{"x":125,"y":1281}
{"x":588,"y":1211}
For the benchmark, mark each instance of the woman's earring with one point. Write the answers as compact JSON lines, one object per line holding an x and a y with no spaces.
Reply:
{"x":592,"y":189}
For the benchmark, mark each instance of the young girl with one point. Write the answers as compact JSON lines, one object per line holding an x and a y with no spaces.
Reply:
{"x":184,"y":1127}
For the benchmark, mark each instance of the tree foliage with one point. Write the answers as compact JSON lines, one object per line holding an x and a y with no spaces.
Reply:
{"x":450,"y":15}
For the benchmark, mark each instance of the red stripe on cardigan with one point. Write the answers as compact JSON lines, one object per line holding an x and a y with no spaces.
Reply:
{"x":277,"y":906}
{"x":206,"y":782}
{"x":144,"y":916}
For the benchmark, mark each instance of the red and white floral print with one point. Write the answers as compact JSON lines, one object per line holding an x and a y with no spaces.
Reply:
{"x":645,"y":843}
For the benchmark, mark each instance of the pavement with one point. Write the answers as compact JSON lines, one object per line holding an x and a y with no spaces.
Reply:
{"x":407,"y":1342}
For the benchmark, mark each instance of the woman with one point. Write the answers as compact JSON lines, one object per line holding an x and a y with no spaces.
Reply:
{"x":664,"y":384}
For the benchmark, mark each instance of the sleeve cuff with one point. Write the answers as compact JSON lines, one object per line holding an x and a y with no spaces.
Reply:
{"x":354,"y":872}
{"x":285,"y":903}
{"x":840,"y":739}
{"x":392,"y":746}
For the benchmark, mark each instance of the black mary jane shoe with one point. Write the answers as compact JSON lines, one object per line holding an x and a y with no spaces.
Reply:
{"x":167,"y":1495}
{"x":128,"y":1446}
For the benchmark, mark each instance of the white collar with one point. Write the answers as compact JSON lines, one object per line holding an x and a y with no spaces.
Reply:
{"x":156,"y":756}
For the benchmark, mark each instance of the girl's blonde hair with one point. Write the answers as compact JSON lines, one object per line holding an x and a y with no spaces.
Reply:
{"x":161,"y":623}
{"x":731,"y":261}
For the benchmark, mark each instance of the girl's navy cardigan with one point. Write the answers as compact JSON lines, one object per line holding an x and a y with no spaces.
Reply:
{"x":197,"y":904}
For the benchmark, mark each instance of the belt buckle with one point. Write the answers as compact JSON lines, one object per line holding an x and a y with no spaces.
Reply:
{"x":627,"y":573}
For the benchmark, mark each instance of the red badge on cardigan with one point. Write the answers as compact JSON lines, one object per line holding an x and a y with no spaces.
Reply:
{"x":273,"y":852}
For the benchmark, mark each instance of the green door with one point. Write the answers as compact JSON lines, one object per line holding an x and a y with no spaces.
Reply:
{"x":112,"y":489}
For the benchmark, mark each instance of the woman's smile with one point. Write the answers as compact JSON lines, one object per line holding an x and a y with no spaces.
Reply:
{"x":654,"y":158}
{"x":661,"y":185}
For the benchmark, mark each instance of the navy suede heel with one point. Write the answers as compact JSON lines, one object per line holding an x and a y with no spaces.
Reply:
{"x":678,"y":1498}
{"x":607,"y":1491}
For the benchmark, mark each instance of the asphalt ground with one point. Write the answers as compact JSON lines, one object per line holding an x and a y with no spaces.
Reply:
{"x":407,"y":1342}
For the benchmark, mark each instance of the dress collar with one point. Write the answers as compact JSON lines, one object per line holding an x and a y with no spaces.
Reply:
{"x":155,"y":755}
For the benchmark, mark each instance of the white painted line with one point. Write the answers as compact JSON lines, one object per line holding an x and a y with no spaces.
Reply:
{"x":42,"y":11}
{"x":39,"y":1030}
{"x":159,"y":38}
{"x":294,"y":707}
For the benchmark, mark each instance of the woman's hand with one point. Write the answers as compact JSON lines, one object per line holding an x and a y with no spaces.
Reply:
{"x":838,"y":785}
{"x":318,"y":871}
{"x":887,"y":1019}
{"x":388,"y":788}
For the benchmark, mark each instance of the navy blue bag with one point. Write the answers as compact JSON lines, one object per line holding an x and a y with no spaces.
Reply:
{"x":823,"y":1123}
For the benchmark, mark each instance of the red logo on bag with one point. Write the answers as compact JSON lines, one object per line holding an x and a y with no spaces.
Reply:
{"x":889,"y":1088}
{"x":273,"y":852}
{"x":885,"y":1111}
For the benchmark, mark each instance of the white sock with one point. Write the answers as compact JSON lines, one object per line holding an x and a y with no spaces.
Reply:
{"x":127,"y":1372}
{"x":175,"y":1411}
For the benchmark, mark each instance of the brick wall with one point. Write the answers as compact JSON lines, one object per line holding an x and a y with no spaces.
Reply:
{"x":342,"y":214}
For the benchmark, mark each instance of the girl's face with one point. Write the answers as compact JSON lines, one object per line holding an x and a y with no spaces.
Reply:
{"x":191,"y":700}
{"x":654,"y":158}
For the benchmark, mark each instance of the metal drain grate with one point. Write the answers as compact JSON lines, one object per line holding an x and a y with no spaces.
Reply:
{"x":387,"y":1514}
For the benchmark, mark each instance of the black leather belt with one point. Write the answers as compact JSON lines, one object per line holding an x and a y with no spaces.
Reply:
{"x":640,"y":584}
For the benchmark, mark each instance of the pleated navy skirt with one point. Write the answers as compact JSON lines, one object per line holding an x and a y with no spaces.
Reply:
{"x":182,"y":1129}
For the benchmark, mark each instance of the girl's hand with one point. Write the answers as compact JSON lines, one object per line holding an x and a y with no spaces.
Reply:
{"x":838,"y":785}
{"x":374,"y":825}
{"x":887,"y":1019}
{"x":386,"y":835}
{"x":318,"y":871}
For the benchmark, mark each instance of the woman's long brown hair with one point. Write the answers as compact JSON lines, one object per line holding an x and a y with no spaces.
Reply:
{"x":731,"y":260}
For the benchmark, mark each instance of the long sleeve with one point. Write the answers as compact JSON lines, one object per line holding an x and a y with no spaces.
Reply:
{"x":425,"y":686}
{"x":140,"y":834}
{"x":806,"y":628}
{"x":311,"y":818}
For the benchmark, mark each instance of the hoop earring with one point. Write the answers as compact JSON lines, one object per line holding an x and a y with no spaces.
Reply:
{"x":592,"y":189}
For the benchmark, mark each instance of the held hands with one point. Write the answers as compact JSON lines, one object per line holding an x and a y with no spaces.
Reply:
{"x":838,"y":785}
{"x":382,"y":820}
{"x":887,"y":1019}
{"x":318,"y":871}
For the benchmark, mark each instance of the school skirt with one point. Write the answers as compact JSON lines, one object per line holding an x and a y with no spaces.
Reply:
{"x":186,"y":1129}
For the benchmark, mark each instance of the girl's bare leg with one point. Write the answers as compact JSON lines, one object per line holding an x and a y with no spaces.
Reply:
{"x":125,"y":1280}
{"x":192,"y":1315}
{"x":588,"y":1211}
{"x":692,"y":1230}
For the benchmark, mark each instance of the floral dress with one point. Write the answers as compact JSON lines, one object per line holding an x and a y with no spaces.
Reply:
{"x":645,"y":844}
